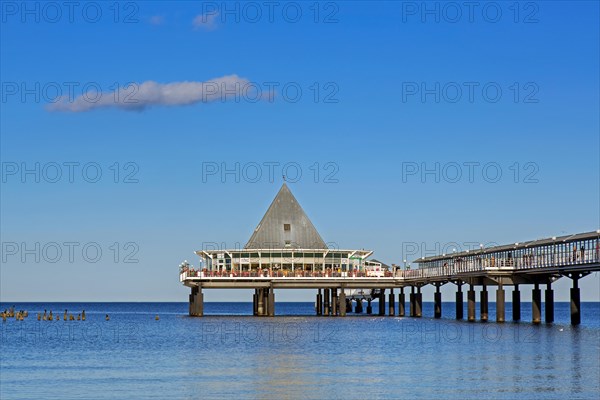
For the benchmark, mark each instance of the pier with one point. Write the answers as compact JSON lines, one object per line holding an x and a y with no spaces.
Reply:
{"x":286,"y":252}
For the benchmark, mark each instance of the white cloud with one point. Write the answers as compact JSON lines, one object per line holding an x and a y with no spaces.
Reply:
{"x":137,"y":97}
{"x":207,"y":21}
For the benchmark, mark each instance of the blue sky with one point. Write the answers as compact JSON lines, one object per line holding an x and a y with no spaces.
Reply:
{"x":370,"y":63}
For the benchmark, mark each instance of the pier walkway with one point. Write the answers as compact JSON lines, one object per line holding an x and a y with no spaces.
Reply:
{"x":534,"y":263}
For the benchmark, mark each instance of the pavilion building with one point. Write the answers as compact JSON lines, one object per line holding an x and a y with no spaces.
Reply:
{"x":285,"y":243}
{"x":285,"y":251}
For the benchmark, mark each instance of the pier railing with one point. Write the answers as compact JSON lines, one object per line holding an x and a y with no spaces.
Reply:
{"x":453,"y":268}
{"x":581,"y":250}
{"x":459,"y":265}
{"x":191,"y":273}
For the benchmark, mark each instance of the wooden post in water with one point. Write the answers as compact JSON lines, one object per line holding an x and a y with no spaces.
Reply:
{"x":500,"y":304}
{"x":319,"y":303}
{"x":334,"y":302}
{"x":326,"y":302}
{"x":359,"y":307}
{"x":575,"y":302}
{"x":271,"y":302}
{"x":549,"y":303}
{"x":437,"y":302}
{"x":382,"y":302}
{"x":516,"y":304}
{"x":411,"y":299}
{"x":471,"y":304}
{"x":459,"y":301}
{"x":536,"y":304}
{"x":260,"y":307}
{"x":392,"y":305}
{"x":419,"y":303}
{"x":348,"y":304}
{"x":483,"y":303}
{"x":401,"y":303}
{"x":266,"y":301}
{"x":342,"y":307}
{"x":255,"y":302}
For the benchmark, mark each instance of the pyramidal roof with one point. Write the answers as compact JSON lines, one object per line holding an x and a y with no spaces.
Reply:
{"x":285,"y":225}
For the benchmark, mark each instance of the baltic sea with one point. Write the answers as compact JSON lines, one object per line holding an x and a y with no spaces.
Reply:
{"x":231,"y":354}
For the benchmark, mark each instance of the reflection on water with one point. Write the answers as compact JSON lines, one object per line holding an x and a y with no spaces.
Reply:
{"x":575,"y":340}
{"x":238,"y":356}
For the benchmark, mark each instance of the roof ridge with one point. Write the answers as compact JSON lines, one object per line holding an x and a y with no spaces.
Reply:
{"x":285,"y":224}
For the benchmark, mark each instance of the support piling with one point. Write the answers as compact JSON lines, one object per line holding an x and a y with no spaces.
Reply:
{"x":254,"y":303}
{"x":401,"y":303}
{"x":359,"y":306}
{"x":471,"y":304}
{"x":334,"y":302}
{"x":260,"y":308}
{"x":319,"y":303}
{"x":483,"y":304}
{"x":437,"y":300}
{"x":500,"y":304}
{"x":536,"y":304}
{"x":271,"y":302}
{"x":419,"y":303}
{"x":549,"y":304}
{"x":342,"y":299}
{"x":412,"y":306}
{"x":575,"y":302}
{"x":459,"y":301}
{"x":516,"y":304}
{"x":196,"y":302}
{"x":382,"y":302}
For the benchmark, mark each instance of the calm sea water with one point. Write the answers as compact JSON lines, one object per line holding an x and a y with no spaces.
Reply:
{"x":298,"y":355}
